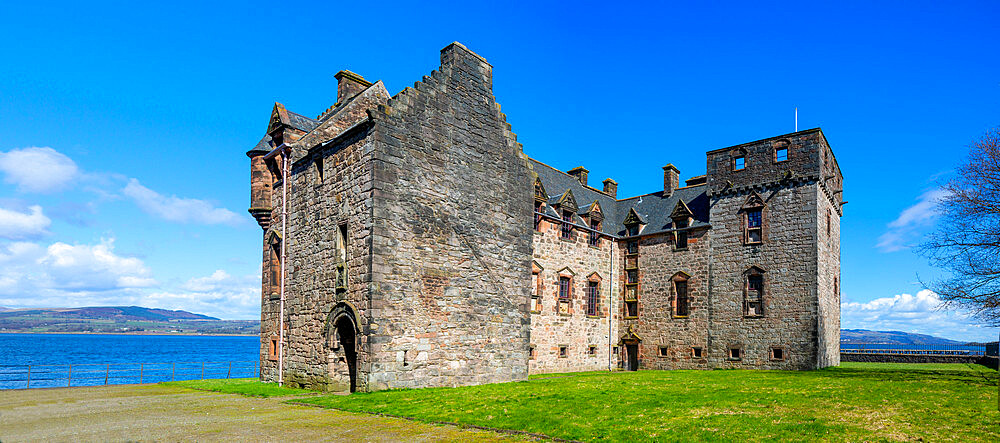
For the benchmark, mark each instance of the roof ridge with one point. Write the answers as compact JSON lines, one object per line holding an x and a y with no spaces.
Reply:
{"x":570,"y":176}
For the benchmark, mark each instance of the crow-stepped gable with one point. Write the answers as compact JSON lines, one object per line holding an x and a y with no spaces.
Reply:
{"x":409,"y":242}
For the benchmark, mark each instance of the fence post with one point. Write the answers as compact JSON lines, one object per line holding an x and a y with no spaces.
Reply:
{"x":141,"y":367}
{"x":69,"y":379}
{"x":173,"y":370}
{"x":202,"y":370}
{"x":107,"y":370}
{"x":29,"y":378}
{"x":230,"y":371}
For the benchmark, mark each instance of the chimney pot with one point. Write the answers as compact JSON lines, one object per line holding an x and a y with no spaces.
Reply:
{"x":671,"y":179}
{"x":580,"y":173}
{"x":611,"y":188}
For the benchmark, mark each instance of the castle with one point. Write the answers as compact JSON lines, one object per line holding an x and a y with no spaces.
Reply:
{"x":409,"y":242}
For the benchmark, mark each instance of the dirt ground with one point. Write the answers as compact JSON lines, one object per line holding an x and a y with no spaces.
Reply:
{"x":161,"y":413}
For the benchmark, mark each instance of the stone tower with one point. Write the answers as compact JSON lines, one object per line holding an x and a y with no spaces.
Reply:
{"x":407,"y":243}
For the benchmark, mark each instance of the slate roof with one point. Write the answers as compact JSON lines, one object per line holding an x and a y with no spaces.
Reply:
{"x":301,"y":122}
{"x":653,"y":208}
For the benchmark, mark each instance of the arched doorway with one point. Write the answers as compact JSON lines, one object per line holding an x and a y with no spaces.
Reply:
{"x":341,"y":333}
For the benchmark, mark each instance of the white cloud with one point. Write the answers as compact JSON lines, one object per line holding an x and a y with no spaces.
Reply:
{"x":93,"y":267}
{"x":921,"y":313}
{"x":172,"y":208}
{"x":911,"y":221}
{"x":37,"y":169}
{"x":218,"y":295}
{"x":18,"y":225}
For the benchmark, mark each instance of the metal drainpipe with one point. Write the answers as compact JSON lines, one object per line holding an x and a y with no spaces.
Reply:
{"x":611,"y":301}
{"x":284,"y":241}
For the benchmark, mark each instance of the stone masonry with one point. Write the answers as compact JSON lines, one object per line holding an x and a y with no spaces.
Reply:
{"x":410,"y":255}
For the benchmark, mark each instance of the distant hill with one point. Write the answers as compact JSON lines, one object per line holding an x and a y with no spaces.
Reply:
{"x":120,"y":319}
{"x":855,"y":336}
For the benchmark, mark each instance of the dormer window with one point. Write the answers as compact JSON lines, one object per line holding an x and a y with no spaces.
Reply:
{"x":567,"y":225}
{"x":632,"y":230}
{"x":681,"y":225}
{"x":538,"y":215}
{"x":595,"y":237}
{"x":739,"y":162}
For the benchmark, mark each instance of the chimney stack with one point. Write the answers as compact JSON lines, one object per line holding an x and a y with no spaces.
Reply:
{"x":671,"y":179}
{"x":580,"y":173}
{"x":349,"y":84}
{"x":611,"y":188}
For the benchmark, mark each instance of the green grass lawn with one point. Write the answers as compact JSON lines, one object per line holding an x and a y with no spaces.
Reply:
{"x":250,"y":387}
{"x":854,"y":402}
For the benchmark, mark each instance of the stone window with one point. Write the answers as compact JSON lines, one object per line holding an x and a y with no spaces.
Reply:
{"x":755,"y":226}
{"x":594,"y":238}
{"x":565,"y":291}
{"x":272,"y":349}
{"x":781,"y":154}
{"x":566,"y":230}
{"x":319,"y":169}
{"x":275,"y":264}
{"x":753,"y":300}
{"x":632,"y":230}
{"x":682,"y":234}
{"x":531,"y":352}
{"x":593,"y":298}
{"x":632,"y":247}
{"x":663,"y":352}
{"x":735,"y":353}
{"x":614,"y":350}
{"x":538,"y":216}
{"x":342,"y":255}
{"x":836,"y":288}
{"x":592,"y":350}
{"x":739,"y":162}
{"x":632,"y":276}
{"x":777,"y":354}
{"x":536,"y":286}
{"x":681,"y":300}
{"x":563,"y":351}
{"x":828,"y":217}
{"x":631,"y":309}
{"x":696,"y":352}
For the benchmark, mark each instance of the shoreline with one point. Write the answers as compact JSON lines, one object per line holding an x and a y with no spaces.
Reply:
{"x":134,"y":333}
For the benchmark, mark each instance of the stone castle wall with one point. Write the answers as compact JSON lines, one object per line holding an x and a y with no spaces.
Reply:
{"x":451,"y":243}
{"x":573,"y":329}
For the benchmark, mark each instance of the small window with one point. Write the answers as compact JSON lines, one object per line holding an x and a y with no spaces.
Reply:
{"x":828,"y":218}
{"x":563,"y":287}
{"x":594,"y":238}
{"x":631,"y":308}
{"x":681,"y":288}
{"x":531,"y":352}
{"x":739,"y":162}
{"x":632,"y":276}
{"x":682,"y":234}
{"x":536,"y":299}
{"x":538,"y":216}
{"x":755,"y":295}
{"x":735,"y":353}
{"x":593,"y":298}
{"x":319,"y":170}
{"x":632,"y":230}
{"x":633,"y":247}
{"x":272,"y":350}
{"x":777,"y":354}
{"x":755,"y":224}
{"x":696,"y":352}
{"x":592,"y":350}
{"x":567,"y":225}
{"x":563,"y":351}
{"x":614,"y":350}
{"x":663,"y":352}
{"x":781,"y":154}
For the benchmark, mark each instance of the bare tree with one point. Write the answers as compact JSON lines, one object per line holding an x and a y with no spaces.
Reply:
{"x":967,"y":242}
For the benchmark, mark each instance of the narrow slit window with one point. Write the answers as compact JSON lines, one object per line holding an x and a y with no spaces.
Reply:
{"x":538,"y":216}
{"x":593,"y":298}
{"x":681,"y":286}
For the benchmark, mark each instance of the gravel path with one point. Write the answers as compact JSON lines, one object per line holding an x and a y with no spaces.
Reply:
{"x":161,"y":413}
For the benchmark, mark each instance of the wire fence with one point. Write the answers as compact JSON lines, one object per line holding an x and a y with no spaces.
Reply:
{"x":99,"y":374}
{"x":869,"y":348}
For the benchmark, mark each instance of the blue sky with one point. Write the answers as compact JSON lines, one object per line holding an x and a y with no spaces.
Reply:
{"x":124,"y":179}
